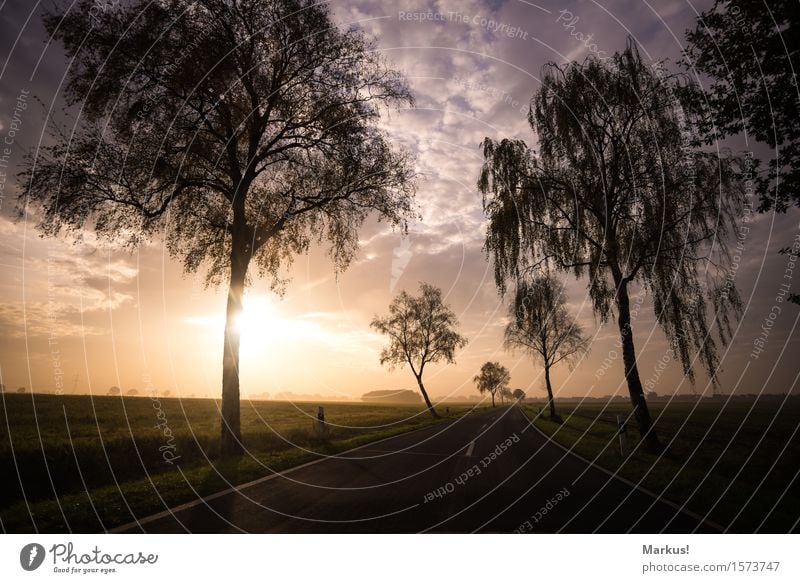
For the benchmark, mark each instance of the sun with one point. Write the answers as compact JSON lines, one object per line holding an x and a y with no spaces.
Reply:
{"x":258,"y":317}
{"x":263,"y":328}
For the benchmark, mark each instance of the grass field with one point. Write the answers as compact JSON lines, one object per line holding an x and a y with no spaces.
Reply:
{"x":736,"y":462}
{"x":88,"y":464}
{"x":85,"y":463}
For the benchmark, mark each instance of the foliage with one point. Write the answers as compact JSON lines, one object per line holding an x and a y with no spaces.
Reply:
{"x":616,"y":192}
{"x":240,"y":132}
{"x":205,"y":120}
{"x":421,"y":330}
{"x":541,"y":325}
{"x":540,"y":322}
{"x":749,"y":51}
{"x":493,"y":379}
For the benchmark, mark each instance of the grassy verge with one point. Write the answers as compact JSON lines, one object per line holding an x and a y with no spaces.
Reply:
{"x":111,"y":446}
{"x":730,"y":462}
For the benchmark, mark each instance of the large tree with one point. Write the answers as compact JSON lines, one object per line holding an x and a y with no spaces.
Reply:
{"x":242,"y":132}
{"x":421,"y":329}
{"x":750,"y":51}
{"x":493,"y":379}
{"x":540,"y":324}
{"x":616,"y":193}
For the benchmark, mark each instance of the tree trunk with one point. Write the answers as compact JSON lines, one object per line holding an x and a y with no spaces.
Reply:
{"x":641,"y":412}
{"x":231,"y":434}
{"x":434,"y":414}
{"x":550,"y":401}
{"x":493,"y":399}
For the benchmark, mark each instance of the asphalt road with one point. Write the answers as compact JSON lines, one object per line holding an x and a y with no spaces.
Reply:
{"x":485,"y":472}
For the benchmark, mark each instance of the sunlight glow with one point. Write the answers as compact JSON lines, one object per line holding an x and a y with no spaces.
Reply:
{"x":258,"y":313}
{"x":262,"y":326}
{"x":277,"y":345}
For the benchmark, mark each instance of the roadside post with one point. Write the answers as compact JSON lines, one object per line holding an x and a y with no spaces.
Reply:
{"x":623,"y":436}
{"x":321,"y":421}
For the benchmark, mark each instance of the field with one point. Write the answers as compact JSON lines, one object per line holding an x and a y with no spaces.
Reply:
{"x":736,"y":462}
{"x":88,"y":464}
{"x":142,"y":455}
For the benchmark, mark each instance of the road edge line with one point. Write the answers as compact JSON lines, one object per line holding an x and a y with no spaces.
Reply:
{"x":626,"y":481}
{"x":186,"y":505}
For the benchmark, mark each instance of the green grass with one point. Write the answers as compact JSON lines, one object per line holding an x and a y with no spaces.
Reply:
{"x":737,"y":461}
{"x":84,"y":461}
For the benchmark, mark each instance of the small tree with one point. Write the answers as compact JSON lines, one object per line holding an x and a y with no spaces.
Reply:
{"x":541,"y":325}
{"x":421,"y":330}
{"x":21,"y":390}
{"x":615,"y":192}
{"x":493,"y":379}
{"x":113,"y":391}
{"x":518,"y":394}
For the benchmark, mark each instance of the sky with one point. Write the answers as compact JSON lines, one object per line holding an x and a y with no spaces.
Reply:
{"x":84,"y":316}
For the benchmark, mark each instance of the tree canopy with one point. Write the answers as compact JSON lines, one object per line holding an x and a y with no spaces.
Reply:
{"x":540,"y":324}
{"x":421,"y":329}
{"x":616,"y":192}
{"x":493,"y":379}
{"x":211,"y":121}
{"x":750,"y":51}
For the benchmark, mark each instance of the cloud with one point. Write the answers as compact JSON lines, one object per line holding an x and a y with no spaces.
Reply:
{"x":44,"y":319}
{"x":52,"y":286}
{"x":470,"y":81}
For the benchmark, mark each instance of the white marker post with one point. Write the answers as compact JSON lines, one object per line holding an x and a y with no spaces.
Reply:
{"x":623,"y":436}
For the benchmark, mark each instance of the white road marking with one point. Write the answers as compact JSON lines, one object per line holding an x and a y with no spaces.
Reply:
{"x":470,"y":448}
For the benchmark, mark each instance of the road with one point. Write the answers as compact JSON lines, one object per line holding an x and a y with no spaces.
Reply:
{"x":485,"y":472}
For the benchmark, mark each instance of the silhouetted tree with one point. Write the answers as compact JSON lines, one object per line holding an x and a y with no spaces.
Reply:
{"x":492,"y":379}
{"x":242,"y":131}
{"x":132,"y":393}
{"x":421,"y":330}
{"x":21,"y":390}
{"x":615,"y":193}
{"x":518,"y":394}
{"x":540,"y":324}
{"x":113,"y":391}
{"x":748,"y":48}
